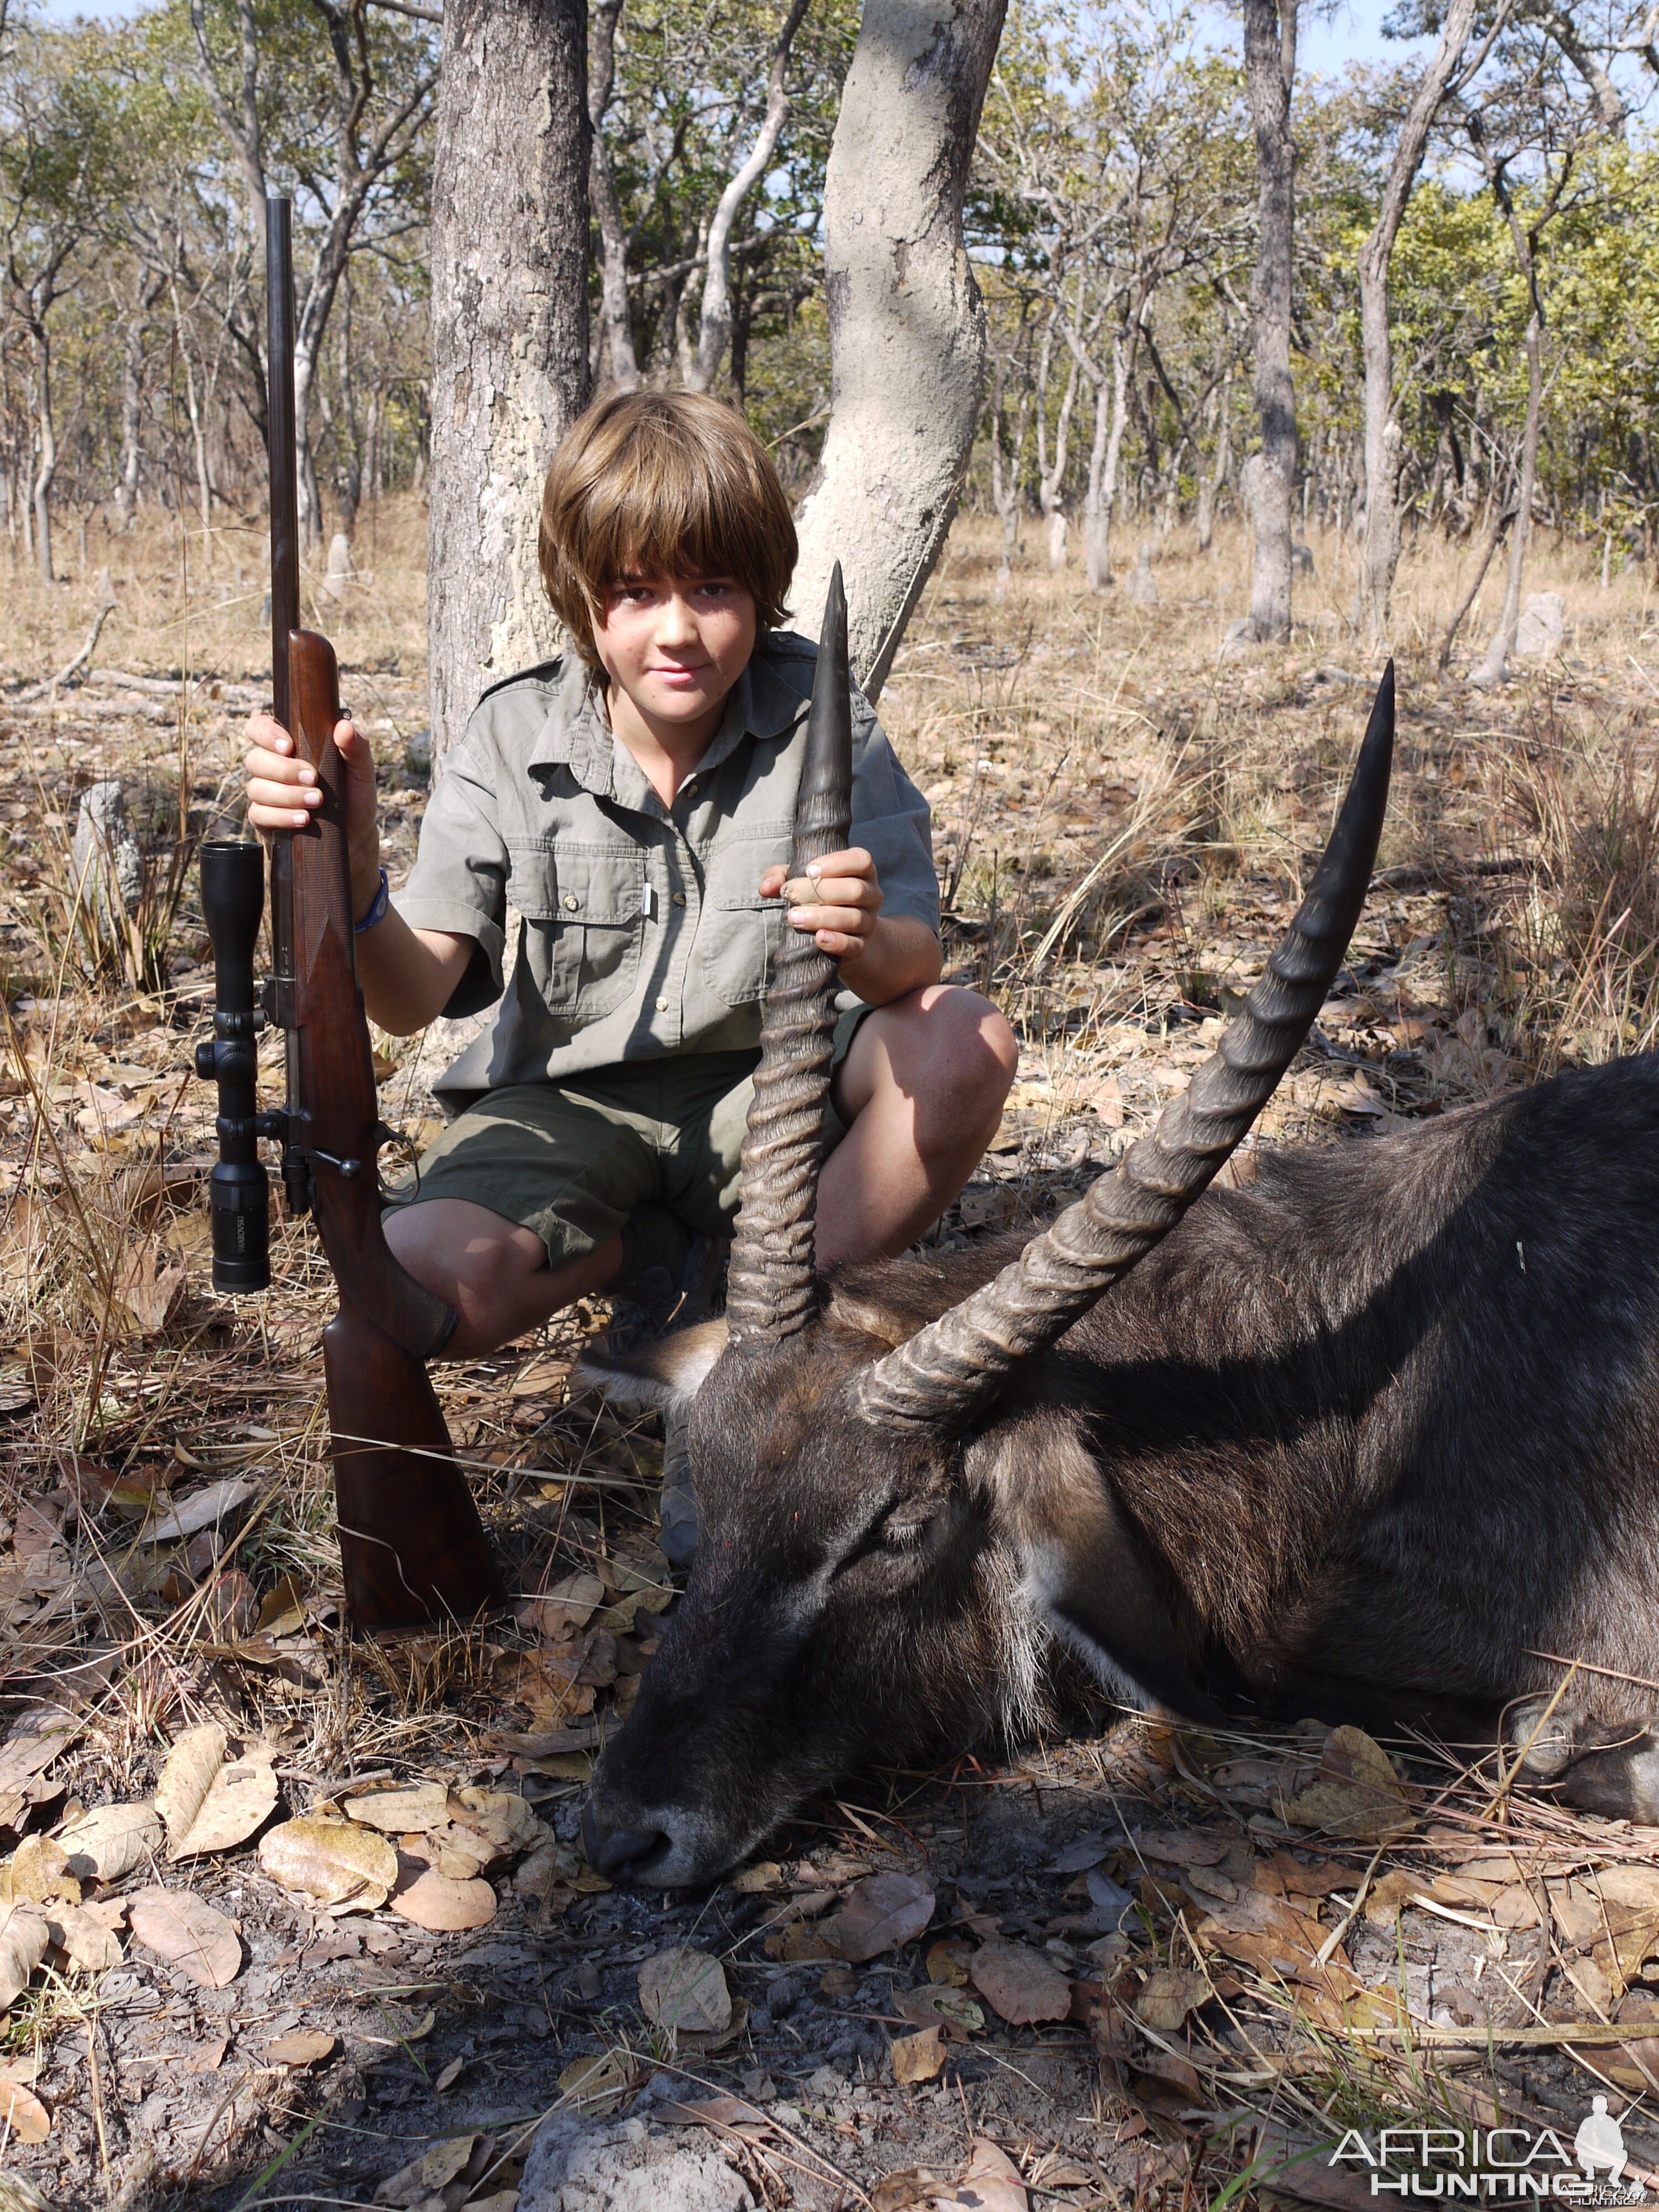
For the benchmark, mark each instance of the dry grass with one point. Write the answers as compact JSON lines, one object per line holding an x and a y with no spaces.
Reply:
{"x":1123,"y":821}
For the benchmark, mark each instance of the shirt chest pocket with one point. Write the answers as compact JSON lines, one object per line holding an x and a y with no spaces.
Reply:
{"x":741,"y":931}
{"x":585,"y":911}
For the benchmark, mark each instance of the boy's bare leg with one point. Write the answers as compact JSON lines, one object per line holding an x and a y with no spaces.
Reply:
{"x":492,"y":1271}
{"x":921,"y":1090}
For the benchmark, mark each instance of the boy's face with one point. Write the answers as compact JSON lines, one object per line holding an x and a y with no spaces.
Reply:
{"x":676,"y":646}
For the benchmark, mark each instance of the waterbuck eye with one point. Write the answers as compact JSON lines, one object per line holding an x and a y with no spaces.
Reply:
{"x":907,"y":1536}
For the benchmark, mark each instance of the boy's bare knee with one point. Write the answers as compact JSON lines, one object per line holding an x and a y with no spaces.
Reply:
{"x":461,"y":1260}
{"x":952,"y":1052}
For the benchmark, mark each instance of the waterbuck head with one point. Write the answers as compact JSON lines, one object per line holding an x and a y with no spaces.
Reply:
{"x":877,"y":1567}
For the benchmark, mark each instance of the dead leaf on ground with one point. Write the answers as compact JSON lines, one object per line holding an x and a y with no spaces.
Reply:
{"x":302,"y":2047}
{"x":86,"y":1941}
{"x":990,"y":2182}
{"x":947,"y":1961}
{"x":149,"y":1284}
{"x":25,"y":1939}
{"x":919,"y":2057}
{"x":442,"y":1906}
{"x":882,"y":1913}
{"x":598,"y":2082}
{"x":759,"y":1880}
{"x":344,"y":1867}
{"x":912,"y":2189}
{"x":189,"y":1933}
{"x":37,"y":1871}
{"x":400,"y":1812}
{"x":429,"y":2174}
{"x":1356,"y":1792}
{"x":936,"y":2004}
{"x":1177,"y":1848}
{"x":22,"y":2115}
{"x":205,"y":1509}
{"x":685,"y":1991}
{"x":33,"y":1741}
{"x":1167,"y":1996}
{"x":801,"y":1944}
{"x":211,"y":1804}
{"x":1019,"y":1984}
{"x":568,"y":1606}
{"x":283,"y":1610}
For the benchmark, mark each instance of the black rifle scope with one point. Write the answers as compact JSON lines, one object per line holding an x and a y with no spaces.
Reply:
{"x":238,"y":1192}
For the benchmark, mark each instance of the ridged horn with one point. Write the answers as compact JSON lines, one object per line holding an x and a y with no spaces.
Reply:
{"x":770,"y":1293}
{"x":947,"y":1371}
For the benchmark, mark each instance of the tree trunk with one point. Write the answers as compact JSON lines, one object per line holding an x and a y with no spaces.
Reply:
{"x":1269,"y":476}
{"x":1493,"y":669}
{"x":1209,"y":487}
{"x":615,"y":323}
{"x":1049,"y":479}
{"x":1111,"y":418}
{"x":132,"y":404}
{"x":906,"y":325}
{"x":714,"y":328}
{"x":48,"y":468}
{"x":1384,"y":446}
{"x":509,"y":330}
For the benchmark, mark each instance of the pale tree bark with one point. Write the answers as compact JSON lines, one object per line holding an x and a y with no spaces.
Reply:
{"x":1493,"y":669}
{"x":509,"y":332}
{"x":714,"y":328}
{"x":1051,"y":472}
{"x":1105,"y":456}
{"x":1005,"y":473}
{"x":615,"y":323}
{"x":1384,"y":446}
{"x":1269,"y":476}
{"x":1209,"y":487}
{"x":45,"y":473}
{"x":132,"y":402}
{"x":1524,"y":241}
{"x":906,"y":325}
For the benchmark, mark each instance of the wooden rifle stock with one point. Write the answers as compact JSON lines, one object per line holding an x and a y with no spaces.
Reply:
{"x":412,"y":1543}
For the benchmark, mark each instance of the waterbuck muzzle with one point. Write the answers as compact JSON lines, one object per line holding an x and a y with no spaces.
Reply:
{"x":852,"y":1593}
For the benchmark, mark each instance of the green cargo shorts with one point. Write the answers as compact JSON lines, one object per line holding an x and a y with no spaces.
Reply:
{"x":615,"y":1150}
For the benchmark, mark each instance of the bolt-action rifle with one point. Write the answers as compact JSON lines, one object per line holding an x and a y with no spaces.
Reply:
{"x":412,"y":1543}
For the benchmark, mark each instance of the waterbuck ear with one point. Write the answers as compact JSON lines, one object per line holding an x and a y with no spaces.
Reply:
{"x":662,"y":1377}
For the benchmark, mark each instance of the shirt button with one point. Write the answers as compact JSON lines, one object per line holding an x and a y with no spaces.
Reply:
{"x":679,"y":898}
{"x":662,"y":1006}
{"x":570,"y":901}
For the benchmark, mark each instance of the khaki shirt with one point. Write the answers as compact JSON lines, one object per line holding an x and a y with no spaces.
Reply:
{"x":643,"y":931}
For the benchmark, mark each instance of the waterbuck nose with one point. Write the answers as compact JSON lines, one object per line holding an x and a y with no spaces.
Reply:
{"x":611,"y":1851}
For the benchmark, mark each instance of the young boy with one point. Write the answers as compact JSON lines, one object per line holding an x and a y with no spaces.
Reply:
{"x":634,"y":803}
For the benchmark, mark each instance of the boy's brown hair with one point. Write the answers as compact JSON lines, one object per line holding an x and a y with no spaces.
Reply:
{"x":667,"y":484}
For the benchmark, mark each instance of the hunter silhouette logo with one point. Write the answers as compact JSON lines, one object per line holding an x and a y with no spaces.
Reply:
{"x":1502,"y":2165}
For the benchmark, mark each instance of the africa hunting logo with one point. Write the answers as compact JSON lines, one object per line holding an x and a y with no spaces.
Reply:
{"x":1504,"y":2165}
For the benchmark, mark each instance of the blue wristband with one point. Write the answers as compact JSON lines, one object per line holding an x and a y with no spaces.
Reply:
{"x":378,"y":912}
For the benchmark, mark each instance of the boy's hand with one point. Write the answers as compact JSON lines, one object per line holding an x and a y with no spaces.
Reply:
{"x":283,"y":793}
{"x":838,"y":902}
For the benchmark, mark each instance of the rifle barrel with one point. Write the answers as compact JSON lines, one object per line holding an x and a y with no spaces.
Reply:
{"x":284,"y":459}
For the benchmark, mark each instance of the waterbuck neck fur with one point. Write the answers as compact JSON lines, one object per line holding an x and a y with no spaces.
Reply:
{"x":1373,"y":1432}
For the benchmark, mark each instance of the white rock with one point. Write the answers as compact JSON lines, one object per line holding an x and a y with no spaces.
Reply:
{"x":1140,"y":585}
{"x":627,"y":2166}
{"x":1543,"y":624}
{"x":106,"y":865}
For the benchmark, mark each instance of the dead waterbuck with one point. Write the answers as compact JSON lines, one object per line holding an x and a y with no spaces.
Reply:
{"x":1362,"y":1436}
